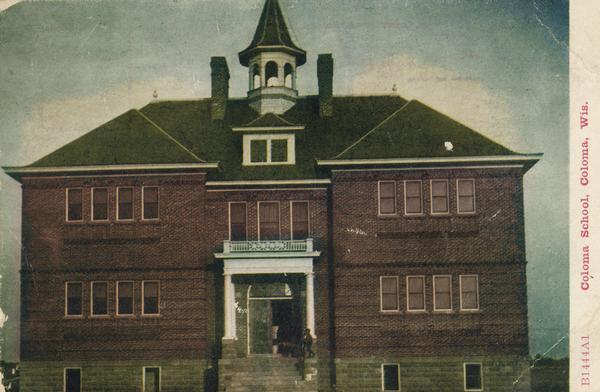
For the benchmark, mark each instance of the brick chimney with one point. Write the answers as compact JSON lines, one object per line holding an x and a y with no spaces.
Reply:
{"x":219,"y":87}
{"x":325,"y":76}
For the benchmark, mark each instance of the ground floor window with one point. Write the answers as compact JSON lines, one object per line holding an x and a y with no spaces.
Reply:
{"x":151,"y":379}
{"x":473,"y":377}
{"x":390,"y":377}
{"x":72,"y":380}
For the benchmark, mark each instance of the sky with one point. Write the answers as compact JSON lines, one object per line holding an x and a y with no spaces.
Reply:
{"x":500,"y":67}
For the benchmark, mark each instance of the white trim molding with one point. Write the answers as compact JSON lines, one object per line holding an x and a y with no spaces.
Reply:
{"x":109,"y":168}
{"x":269,"y":129}
{"x":144,"y":377}
{"x":422,"y":211}
{"x":383,"y":365}
{"x":480,"y":376}
{"x":531,"y":158}
{"x":323,"y":181}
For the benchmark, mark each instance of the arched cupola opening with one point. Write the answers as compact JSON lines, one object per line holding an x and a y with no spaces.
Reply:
{"x":289,"y":76}
{"x":272,"y":74}
{"x":255,"y":77}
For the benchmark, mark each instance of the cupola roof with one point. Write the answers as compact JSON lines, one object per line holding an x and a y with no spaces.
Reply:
{"x":272,"y":34}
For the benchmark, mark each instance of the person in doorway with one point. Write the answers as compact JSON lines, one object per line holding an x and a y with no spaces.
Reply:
{"x":307,"y":341}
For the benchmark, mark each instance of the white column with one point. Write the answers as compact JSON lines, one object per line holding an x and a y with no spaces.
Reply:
{"x":233,"y":311}
{"x":310,"y":303}
{"x":228,"y":304}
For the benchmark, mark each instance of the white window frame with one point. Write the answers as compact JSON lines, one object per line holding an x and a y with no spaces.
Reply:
{"x":229,"y":215}
{"x":144,"y":377}
{"x":447,"y":212}
{"x":397,"y":310}
{"x":268,"y":138}
{"x":462,"y":309}
{"x":292,"y":216}
{"x":67,"y":204}
{"x":144,"y":299}
{"x":408,"y":309}
{"x":132,"y":314}
{"x":422,"y":207}
{"x":379,"y":213}
{"x":92,"y":205}
{"x":144,"y":202}
{"x":435,"y":309}
{"x":92,"y":314}
{"x":465,"y":376}
{"x":132,"y":204}
{"x":65,"y":377}
{"x":458,"y":211}
{"x":383,"y":377}
{"x":258,"y":216}
{"x":73,"y":316}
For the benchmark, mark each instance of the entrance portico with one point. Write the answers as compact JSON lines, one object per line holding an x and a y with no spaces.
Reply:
{"x":248,"y":259}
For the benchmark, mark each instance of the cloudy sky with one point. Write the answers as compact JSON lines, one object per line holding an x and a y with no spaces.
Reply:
{"x":498,"y":66}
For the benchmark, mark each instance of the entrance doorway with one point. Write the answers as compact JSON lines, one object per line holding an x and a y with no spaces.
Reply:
{"x":274,"y":326}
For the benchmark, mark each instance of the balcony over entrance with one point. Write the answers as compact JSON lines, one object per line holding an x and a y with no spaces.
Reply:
{"x":268,"y":248}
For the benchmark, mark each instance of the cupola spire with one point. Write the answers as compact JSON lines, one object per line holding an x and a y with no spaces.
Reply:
{"x":272,"y":35}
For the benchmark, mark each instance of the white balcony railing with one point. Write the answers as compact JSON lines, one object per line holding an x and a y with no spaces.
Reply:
{"x":268,"y":246}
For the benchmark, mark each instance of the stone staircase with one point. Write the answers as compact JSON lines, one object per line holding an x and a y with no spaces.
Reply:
{"x":267,"y":374}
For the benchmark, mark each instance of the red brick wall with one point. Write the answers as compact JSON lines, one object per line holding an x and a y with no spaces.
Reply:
{"x":171,"y":250}
{"x":489,"y":243}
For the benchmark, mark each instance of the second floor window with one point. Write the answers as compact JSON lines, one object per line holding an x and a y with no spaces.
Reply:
{"x":150,"y":297}
{"x":99,"y":204}
{"x":150,"y":202}
{"x":268,"y":220}
{"x":439,"y":197}
{"x":387,"y":198}
{"x":300,"y":230}
{"x":125,"y":204}
{"x":413,"y":197}
{"x":74,"y":205}
{"x":74,"y":302}
{"x":237,"y":222}
{"x":124,"y":298}
{"x":99,"y":298}
{"x":465,"y":196}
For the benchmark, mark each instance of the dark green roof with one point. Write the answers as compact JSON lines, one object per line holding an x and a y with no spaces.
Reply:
{"x":272,"y":34}
{"x":417,"y":131}
{"x":131,"y":138}
{"x":270,"y":120}
{"x":361,"y":128}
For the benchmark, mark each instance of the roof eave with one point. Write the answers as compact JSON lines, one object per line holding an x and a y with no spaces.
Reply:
{"x":526,"y":161}
{"x":19,"y":172}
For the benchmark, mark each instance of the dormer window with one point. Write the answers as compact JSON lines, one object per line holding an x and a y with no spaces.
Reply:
{"x":269,"y":150}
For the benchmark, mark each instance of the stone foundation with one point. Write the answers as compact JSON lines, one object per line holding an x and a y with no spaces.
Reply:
{"x":431,"y":374}
{"x":119,"y":376}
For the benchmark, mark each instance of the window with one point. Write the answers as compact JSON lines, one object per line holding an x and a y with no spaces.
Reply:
{"x":151,"y":379}
{"x":150,"y":297}
{"x":72,"y":380}
{"x":387,"y":197}
{"x":390,"y":377}
{"x":150,"y":202}
{"x":300,"y":227}
{"x":237,"y":222}
{"x":268,"y":220}
{"x":74,"y":205}
{"x":469,"y":292}
{"x":465,"y":196}
{"x":442,"y":293}
{"x":73,"y":299}
{"x":274,"y":149}
{"x":439,"y":197}
{"x":99,"y":298}
{"x":413,"y":197}
{"x":473,"y":377}
{"x":124,"y":298}
{"x":388,"y":286}
{"x":99,"y":204}
{"x":125,"y":204}
{"x":415,"y":288}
